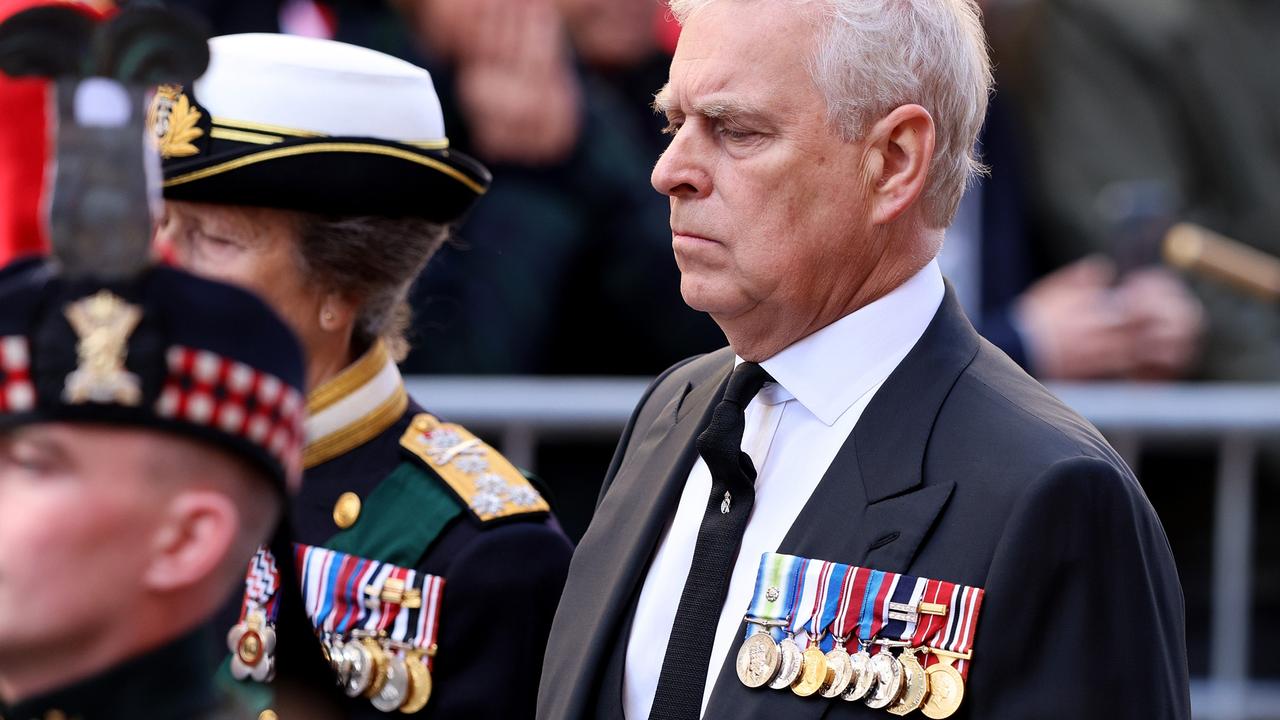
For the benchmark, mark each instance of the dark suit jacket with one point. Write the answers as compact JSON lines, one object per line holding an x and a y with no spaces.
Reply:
{"x":962,"y":468}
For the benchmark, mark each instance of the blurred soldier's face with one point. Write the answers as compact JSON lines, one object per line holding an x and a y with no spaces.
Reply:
{"x":255,"y":248}
{"x":78,"y":508}
{"x":768,"y":202}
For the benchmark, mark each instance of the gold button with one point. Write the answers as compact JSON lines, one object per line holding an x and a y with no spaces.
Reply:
{"x":346,"y":510}
{"x":268,"y":715}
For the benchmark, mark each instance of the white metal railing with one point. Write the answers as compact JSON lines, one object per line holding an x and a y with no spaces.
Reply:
{"x":520,"y":411}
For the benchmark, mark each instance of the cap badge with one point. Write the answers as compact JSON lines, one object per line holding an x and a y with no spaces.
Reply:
{"x":103,"y":323}
{"x":173,"y":123}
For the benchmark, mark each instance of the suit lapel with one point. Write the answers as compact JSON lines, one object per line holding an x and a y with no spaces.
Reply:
{"x":873,"y":506}
{"x":629,"y":521}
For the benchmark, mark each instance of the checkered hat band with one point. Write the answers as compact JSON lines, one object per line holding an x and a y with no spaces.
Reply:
{"x":208,"y":390}
{"x":17,"y":392}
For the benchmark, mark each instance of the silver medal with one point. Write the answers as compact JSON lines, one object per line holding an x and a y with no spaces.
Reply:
{"x":888,"y":674}
{"x":394,"y":690}
{"x":788,"y":665}
{"x":862,"y":680}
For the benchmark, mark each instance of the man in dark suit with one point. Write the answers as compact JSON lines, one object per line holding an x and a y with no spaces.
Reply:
{"x":856,"y":416}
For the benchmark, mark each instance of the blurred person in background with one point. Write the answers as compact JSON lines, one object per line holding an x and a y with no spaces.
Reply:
{"x":1082,"y":318}
{"x":625,"y":51}
{"x":1140,"y":115}
{"x":566,"y":267}
{"x":319,"y":174}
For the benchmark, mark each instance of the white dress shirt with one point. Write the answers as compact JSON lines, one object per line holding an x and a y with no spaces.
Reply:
{"x":794,"y":428}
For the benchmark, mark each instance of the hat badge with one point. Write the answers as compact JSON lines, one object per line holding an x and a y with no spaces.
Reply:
{"x":103,"y":323}
{"x":173,"y":123}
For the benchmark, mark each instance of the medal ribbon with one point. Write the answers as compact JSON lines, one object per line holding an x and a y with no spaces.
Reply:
{"x":936,"y":592}
{"x":962,"y":624}
{"x":261,"y":583}
{"x":850,"y":616}
{"x":803,"y":608}
{"x":776,"y":571}
{"x":907,"y":591}
{"x":829,"y":595}
{"x":870,"y":619}
{"x":334,"y":587}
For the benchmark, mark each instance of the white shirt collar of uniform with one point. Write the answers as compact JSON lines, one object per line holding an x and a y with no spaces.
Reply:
{"x":829,"y":370}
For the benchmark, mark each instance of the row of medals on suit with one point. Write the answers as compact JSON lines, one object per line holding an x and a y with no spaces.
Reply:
{"x":900,"y":684}
{"x":391,"y":675}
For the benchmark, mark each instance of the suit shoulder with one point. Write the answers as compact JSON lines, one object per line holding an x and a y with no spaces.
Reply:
{"x":1020,"y":419}
{"x":484,"y":481}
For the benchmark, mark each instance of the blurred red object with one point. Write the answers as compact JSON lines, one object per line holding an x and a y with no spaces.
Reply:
{"x":25,"y":151}
{"x":666,"y":29}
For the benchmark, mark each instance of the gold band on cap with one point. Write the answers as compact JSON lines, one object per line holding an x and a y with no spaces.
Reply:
{"x":328,"y":147}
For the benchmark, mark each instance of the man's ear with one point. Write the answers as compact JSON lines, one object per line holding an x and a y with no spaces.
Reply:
{"x":900,"y":148}
{"x":198,"y":530}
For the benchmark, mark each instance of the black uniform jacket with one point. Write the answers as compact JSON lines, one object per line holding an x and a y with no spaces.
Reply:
{"x":503,"y":572}
{"x":962,"y":468}
{"x":172,"y":682}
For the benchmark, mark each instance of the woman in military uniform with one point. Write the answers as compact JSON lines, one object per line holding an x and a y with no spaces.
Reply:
{"x":319,"y":175}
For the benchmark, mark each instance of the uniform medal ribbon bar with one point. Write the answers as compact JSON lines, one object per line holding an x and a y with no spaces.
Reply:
{"x":914,"y":635}
{"x":252,"y":641}
{"x":378,"y":623}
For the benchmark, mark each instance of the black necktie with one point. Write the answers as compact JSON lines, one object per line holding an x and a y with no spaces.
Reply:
{"x":733,"y":491}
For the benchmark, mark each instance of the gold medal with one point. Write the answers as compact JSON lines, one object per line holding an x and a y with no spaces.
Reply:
{"x":862,"y":680}
{"x":396,"y":687}
{"x":758,"y":659}
{"x":839,"y":673}
{"x":888,"y":675}
{"x":915,"y":684}
{"x":419,"y":684}
{"x":946,"y":690}
{"x":789,"y":661}
{"x":250,"y":648}
{"x":379,"y":667}
{"x":813,"y":672}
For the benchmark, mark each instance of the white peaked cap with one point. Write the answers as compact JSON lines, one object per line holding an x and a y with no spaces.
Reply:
{"x":318,"y":86}
{"x":313,"y":125}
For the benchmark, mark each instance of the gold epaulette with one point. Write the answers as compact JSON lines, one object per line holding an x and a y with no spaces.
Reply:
{"x":485,"y":481}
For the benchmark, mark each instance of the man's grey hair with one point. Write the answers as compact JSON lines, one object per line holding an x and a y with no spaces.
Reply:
{"x":876,"y":55}
{"x":374,"y":260}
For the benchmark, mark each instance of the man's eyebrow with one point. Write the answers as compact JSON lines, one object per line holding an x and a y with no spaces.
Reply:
{"x":717,"y":109}
{"x":662,"y":100}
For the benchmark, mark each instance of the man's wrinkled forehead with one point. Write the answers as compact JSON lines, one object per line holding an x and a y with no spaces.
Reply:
{"x":728,"y":60}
